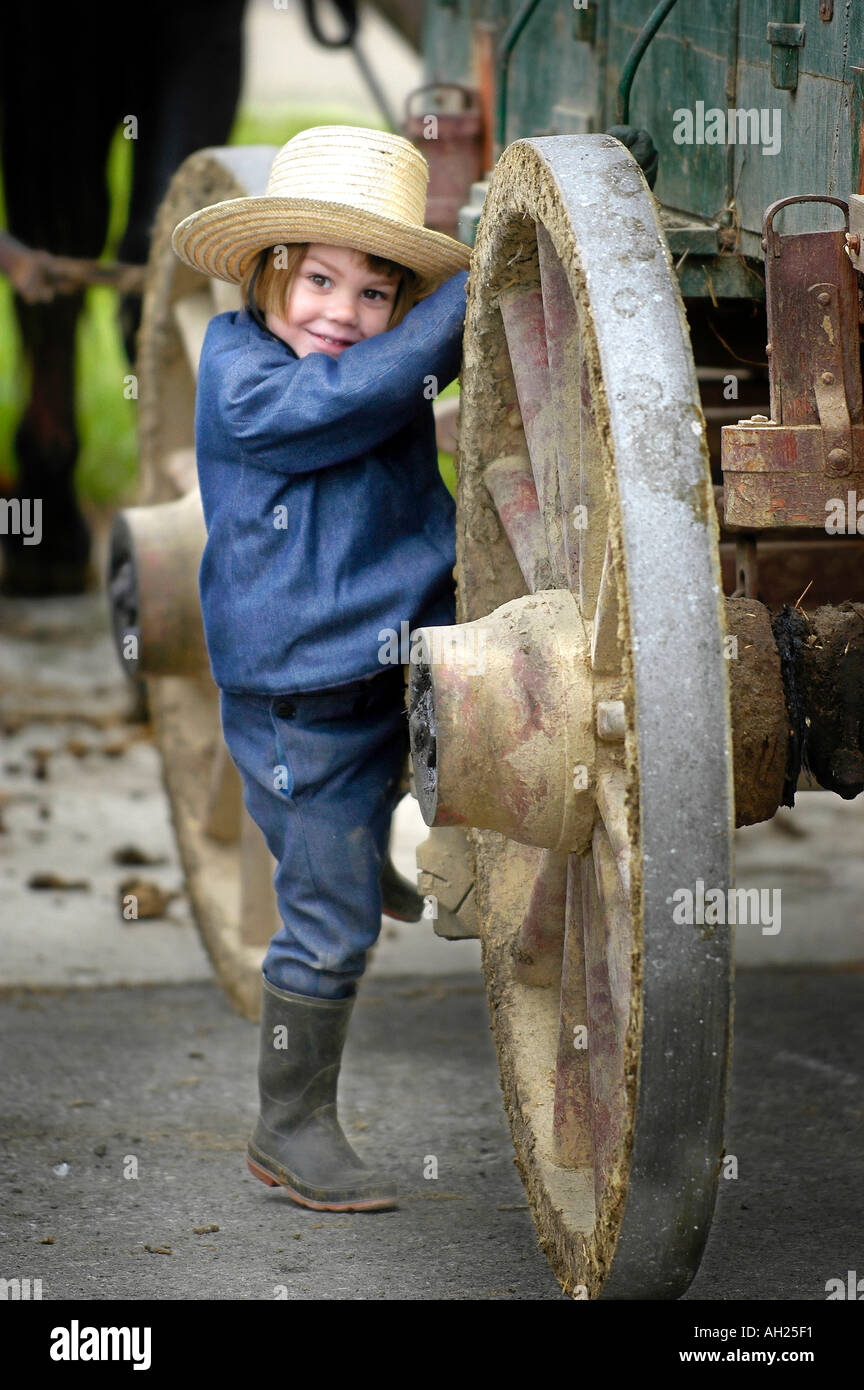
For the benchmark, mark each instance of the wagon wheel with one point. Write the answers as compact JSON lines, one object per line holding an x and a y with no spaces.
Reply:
{"x":228,"y":867}
{"x":583,"y":479}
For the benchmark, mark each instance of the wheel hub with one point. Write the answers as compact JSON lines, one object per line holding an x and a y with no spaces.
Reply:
{"x":502,"y":723}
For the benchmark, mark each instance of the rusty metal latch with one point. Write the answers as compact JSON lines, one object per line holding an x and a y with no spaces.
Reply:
{"x":786,"y":34}
{"x":771,"y":239}
{"x":783,"y":471}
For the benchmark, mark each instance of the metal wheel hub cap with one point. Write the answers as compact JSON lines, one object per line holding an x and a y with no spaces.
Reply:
{"x":502,"y":723}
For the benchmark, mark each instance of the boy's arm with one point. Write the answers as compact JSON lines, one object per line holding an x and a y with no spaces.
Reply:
{"x":310,"y":413}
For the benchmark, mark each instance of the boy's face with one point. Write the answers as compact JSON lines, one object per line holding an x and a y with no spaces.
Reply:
{"x":334,"y":296}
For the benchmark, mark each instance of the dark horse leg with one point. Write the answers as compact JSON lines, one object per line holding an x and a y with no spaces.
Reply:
{"x":186,"y":86}
{"x":57,"y":123}
{"x":176,"y":70}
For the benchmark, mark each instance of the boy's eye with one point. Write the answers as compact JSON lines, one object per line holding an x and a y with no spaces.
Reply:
{"x":318,"y":275}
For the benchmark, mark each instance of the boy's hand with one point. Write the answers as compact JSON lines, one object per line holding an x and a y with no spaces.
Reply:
{"x":447,"y":424}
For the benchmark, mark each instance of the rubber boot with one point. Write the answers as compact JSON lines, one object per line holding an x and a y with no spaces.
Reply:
{"x":298,"y":1143}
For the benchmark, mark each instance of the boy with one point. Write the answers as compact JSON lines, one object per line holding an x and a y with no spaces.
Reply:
{"x":328,"y":524}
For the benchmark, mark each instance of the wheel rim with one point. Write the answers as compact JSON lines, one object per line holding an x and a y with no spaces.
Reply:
{"x":578,"y":385}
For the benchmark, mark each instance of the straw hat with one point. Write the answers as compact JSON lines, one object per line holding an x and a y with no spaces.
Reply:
{"x":335,"y":185}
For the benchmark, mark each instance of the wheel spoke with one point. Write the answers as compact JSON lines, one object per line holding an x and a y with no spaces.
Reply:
{"x":562,"y":347}
{"x":511,"y":487}
{"x":591,"y":519}
{"x":612,"y":805}
{"x":605,"y":653}
{"x":525,"y":330}
{"x":540,"y":943}
{"x":572,"y":1117}
{"x":615,"y":909}
{"x":609,"y":1103}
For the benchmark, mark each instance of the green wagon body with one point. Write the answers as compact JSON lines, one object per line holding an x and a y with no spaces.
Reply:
{"x":706,"y":62}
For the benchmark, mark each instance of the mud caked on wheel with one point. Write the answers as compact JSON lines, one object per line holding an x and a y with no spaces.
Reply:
{"x":577,"y":718}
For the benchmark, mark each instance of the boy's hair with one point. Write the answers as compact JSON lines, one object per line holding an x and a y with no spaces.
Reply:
{"x":277,"y":269}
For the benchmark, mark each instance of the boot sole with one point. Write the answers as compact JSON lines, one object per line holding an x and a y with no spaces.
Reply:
{"x":360,"y":1204}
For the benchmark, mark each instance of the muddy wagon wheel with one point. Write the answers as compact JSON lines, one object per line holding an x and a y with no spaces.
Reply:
{"x":155,"y":553}
{"x":591,"y":743}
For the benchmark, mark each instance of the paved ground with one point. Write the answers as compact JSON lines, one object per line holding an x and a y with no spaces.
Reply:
{"x":118,"y":1046}
{"x":159,"y":1082}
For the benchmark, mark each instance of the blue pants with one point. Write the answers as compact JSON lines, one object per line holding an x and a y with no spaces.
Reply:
{"x":321,"y":775}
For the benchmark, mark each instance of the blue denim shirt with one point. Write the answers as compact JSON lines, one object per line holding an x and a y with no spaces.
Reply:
{"x":327,"y":519}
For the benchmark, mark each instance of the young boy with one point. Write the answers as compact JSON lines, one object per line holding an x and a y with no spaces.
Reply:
{"x":328,"y":526}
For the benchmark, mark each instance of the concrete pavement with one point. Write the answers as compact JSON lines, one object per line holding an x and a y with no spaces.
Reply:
{"x":121,"y":1055}
{"x":125,"y":1115}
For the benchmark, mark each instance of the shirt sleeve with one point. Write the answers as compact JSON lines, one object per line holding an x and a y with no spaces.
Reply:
{"x":299,"y":415}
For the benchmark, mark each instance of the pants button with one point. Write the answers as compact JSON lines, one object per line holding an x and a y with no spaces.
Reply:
{"x":286,"y":709}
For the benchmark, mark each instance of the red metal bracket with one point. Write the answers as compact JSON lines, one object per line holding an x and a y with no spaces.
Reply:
{"x":783,"y":472}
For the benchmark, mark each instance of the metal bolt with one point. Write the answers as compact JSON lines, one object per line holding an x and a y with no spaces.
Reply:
{"x":824,"y":297}
{"x":853,"y":241}
{"x":828,"y":378}
{"x":611,"y":720}
{"x":838,"y":458}
{"x":769,"y":348}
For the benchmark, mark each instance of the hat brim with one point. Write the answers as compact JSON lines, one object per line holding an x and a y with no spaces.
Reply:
{"x":221,"y":240}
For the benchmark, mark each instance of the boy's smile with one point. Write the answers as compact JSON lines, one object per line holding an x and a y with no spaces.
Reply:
{"x":335,"y":301}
